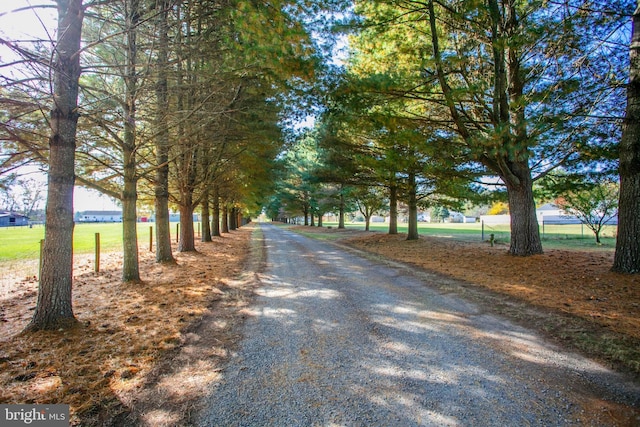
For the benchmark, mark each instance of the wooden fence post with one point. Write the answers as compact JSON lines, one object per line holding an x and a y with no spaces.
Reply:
{"x":97,"y":263}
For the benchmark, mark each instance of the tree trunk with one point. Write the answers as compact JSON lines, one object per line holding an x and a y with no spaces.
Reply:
{"x":233,"y":219}
{"x":393,"y":210}
{"x":412,"y":232}
{"x":215,"y":218}
{"x":186,"y":242}
{"x":163,"y":232}
{"x":225,"y":219}
{"x":367,"y":222}
{"x":54,"y":306}
{"x":130,"y":262}
{"x":206,"y":225}
{"x":525,"y":233}
{"x":341,"y":212}
{"x":305,"y":211}
{"x":320,"y":215}
{"x":627,"y":255}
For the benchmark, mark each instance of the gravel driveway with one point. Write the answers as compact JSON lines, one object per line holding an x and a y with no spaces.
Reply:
{"x":335,"y":339}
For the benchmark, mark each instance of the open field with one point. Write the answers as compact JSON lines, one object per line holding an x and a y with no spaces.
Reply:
{"x":569,"y":236}
{"x":24,"y":242}
{"x":20,"y":248}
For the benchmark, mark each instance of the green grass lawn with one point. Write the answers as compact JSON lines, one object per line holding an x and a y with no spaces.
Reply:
{"x":571,"y":236}
{"x":18,"y":243}
{"x":24,"y":243}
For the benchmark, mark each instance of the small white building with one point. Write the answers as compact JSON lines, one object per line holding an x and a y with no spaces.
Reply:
{"x":547,"y":213}
{"x":99,"y":216}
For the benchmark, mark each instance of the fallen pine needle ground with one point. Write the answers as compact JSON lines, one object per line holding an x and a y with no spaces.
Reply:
{"x":117,"y":366}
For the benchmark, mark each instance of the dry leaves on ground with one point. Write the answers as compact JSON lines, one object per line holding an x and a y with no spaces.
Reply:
{"x":141,"y":353}
{"x":101,"y":367}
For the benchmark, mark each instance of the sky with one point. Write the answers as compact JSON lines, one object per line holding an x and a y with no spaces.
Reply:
{"x":17,"y":24}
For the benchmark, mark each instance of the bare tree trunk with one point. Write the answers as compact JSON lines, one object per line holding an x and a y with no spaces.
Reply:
{"x":627,"y":255}
{"x":215,"y":219}
{"x":233,"y":219}
{"x":163,"y":232}
{"x":130,"y":261}
{"x":412,"y":232}
{"x":525,"y":234}
{"x":225,"y":218}
{"x":186,"y":242}
{"x":305,"y":210}
{"x":341,"y":211}
{"x":206,"y":225}
{"x":393,"y":209}
{"x":54,"y":307}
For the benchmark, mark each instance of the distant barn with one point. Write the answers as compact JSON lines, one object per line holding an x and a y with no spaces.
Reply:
{"x":99,"y":216}
{"x":11,"y":219}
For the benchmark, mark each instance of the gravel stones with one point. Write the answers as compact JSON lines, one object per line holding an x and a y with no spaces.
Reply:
{"x":337,"y":340}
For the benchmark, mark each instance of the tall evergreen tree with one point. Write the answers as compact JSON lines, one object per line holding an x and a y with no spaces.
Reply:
{"x":519,"y":88}
{"x":54,"y":307}
{"x":162,"y":136}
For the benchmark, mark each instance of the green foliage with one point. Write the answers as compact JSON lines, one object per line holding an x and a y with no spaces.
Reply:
{"x":439,"y":214}
{"x":371,"y":200}
{"x":595,"y":204}
{"x":566,"y":62}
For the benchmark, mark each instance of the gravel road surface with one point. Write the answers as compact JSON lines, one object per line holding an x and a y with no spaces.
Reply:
{"x":335,"y":339}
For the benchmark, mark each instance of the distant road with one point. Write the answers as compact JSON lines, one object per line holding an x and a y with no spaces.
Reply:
{"x":338,"y":340}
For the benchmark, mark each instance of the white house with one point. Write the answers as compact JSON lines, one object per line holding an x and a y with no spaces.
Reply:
{"x":552,"y":214}
{"x":99,"y":216}
{"x":547,"y":213}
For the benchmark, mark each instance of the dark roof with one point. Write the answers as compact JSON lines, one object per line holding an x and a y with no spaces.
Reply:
{"x":17,"y":215}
